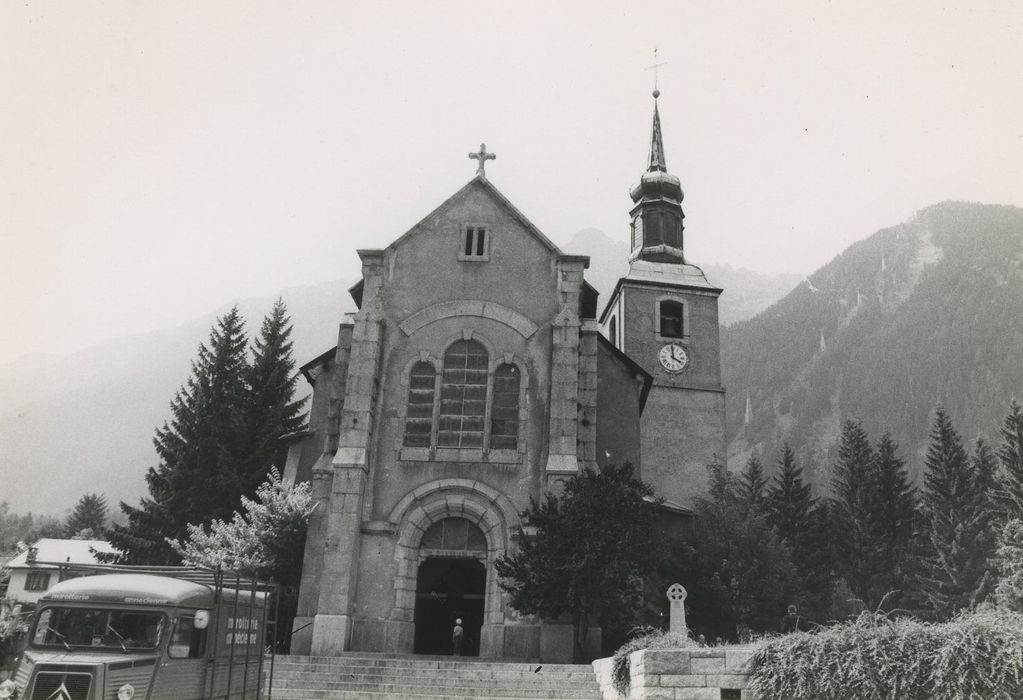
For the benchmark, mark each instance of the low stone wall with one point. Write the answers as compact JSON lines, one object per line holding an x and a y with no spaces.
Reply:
{"x":713,"y":673}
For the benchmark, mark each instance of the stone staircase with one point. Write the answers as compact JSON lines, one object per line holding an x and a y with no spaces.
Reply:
{"x":366,"y":676}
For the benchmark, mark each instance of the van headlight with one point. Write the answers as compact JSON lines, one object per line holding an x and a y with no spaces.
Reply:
{"x":8,"y":689}
{"x":125,"y":692}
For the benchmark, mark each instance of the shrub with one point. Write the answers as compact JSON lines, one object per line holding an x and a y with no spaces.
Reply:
{"x":976,"y":655}
{"x":649,"y":639}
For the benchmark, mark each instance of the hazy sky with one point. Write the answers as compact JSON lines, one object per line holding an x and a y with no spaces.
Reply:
{"x":158,"y":160}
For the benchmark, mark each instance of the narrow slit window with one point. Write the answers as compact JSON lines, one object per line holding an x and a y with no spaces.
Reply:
{"x":419,"y":419}
{"x":612,"y":331}
{"x":672,"y":319}
{"x":475,"y":244}
{"x":504,"y":413}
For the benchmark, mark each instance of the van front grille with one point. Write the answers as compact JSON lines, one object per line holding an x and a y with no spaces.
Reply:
{"x":61,"y":686}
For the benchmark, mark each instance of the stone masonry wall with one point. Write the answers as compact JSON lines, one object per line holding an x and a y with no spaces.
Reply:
{"x":717,"y":673}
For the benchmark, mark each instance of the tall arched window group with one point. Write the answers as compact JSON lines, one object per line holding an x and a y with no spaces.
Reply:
{"x":464,"y":405}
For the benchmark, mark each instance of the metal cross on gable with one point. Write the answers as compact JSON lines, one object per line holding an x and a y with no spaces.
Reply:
{"x":482,"y":157}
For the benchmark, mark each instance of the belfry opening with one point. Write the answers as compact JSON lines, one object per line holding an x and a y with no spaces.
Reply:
{"x":450,"y":586}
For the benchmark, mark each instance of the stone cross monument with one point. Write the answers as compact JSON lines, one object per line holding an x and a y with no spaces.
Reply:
{"x":677,"y":598}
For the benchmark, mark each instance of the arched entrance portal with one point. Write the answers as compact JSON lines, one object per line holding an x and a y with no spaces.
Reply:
{"x":451,"y":584}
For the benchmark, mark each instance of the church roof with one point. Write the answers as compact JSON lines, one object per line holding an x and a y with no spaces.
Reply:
{"x":675,"y":275}
{"x":481,"y":181}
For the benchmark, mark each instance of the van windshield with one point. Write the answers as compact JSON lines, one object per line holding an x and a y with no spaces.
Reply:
{"x":91,"y":627}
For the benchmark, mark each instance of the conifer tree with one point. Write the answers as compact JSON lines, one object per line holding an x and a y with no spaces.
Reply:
{"x":850,"y":509}
{"x":1010,"y":493}
{"x":954,"y":569}
{"x":789,"y":503}
{"x":892,"y":516}
{"x":197,"y":477}
{"x":752,"y":487}
{"x":90,"y":513}
{"x":794,"y":514}
{"x":269,"y":410}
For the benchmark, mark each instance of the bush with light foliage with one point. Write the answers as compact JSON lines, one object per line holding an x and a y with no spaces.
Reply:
{"x":976,"y":655}
{"x":266,"y":539}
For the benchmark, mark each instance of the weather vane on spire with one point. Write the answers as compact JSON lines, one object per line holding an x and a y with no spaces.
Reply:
{"x":657,"y":93}
{"x":482,"y":157}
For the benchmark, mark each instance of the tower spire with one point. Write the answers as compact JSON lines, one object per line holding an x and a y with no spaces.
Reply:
{"x":657,"y":161}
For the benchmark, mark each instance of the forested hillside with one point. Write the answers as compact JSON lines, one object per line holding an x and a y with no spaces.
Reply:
{"x":926,"y":312}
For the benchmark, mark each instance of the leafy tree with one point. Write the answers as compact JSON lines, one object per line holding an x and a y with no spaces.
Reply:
{"x":593,"y":545}
{"x":90,"y":513}
{"x":954,"y":569}
{"x":26,"y":528}
{"x":268,"y":410}
{"x":850,"y":508}
{"x":1010,"y":494}
{"x":265,"y":540}
{"x":738,"y":573}
{"x":892,"y":518}
{"x":801,"y":524}
{"x":197,"y":478}
{"x":752,"y":486}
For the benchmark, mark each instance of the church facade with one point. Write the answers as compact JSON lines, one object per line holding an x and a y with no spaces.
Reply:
{"x":476,"y":374}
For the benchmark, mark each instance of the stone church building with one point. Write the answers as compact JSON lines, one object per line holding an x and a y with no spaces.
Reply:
{"x":479,"y":372}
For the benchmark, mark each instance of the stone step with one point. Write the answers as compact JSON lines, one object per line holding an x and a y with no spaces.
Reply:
{"x":411,"y":688}
{"x":391,"y":679}
{"x":333,"y":681}
{"x":364,"y":695}
{"x":372,"y":676}
{"x":417,"y":661}
{"x":298,"y":671}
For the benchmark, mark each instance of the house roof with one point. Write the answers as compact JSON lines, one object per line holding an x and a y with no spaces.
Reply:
{"x":50,"y":552}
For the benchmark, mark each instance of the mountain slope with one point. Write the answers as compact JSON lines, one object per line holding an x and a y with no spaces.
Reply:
{"x":83,"y":422}
{"x":922,"y":313}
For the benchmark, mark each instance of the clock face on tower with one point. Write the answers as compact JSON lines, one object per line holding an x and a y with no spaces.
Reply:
{"x":673,"y":357}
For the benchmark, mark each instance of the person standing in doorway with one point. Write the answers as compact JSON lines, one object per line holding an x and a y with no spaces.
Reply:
{"x":456,"y":637}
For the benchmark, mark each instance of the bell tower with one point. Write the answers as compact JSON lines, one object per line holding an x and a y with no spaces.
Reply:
{"x":664,"y":316}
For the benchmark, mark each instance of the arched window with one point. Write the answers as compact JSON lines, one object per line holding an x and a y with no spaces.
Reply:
{"x":463,"y":395}
{"x":504,"y":414}
{"x":612,"y":331}
{"x":419,"y":418}
{"x":672,"y":319}
{"x":454,"y":534}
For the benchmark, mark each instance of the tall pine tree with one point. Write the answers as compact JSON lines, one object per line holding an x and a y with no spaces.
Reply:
{"x":892,"y":516}
{"x":850,"y":510}
{"x":752,"y":487}
{"x":90,"y":513}
{"x":789,"y":503}
{"x":957,"y":539}
{"x":1010,"y":493}
{"x":794,"y":514}
{"x":197,"y":477}
{"x":269,"y":410}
